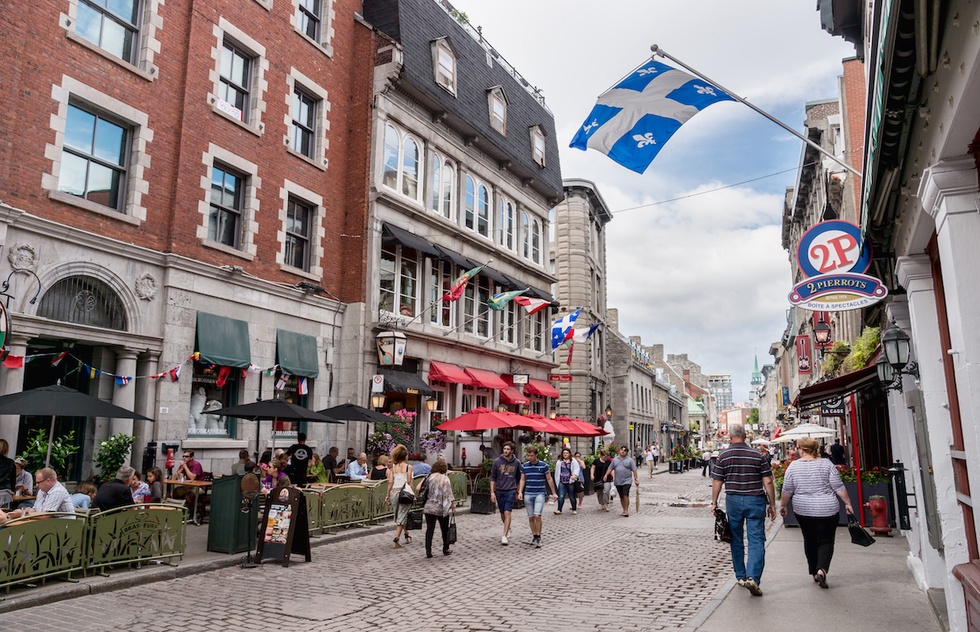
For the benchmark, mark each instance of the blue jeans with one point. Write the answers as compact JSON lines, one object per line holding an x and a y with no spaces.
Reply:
{"x":566,"y":489}
{"x":747,"y":515}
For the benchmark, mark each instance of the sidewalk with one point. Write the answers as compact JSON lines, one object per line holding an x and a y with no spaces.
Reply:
{"x":870,"y":588}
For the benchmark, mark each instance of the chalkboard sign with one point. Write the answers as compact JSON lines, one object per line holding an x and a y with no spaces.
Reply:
{"x":285,"y":529}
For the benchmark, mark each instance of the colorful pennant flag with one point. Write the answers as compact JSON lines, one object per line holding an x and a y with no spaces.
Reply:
{"x":13,"y":362}
{"x":223,"y":374}
{"x":580,"y":335}
{"x":175,"y":373}
{"x":281,"y":384}
{"x":499,"y":301}
{"x":304,"y":387}
{"x":562,"y":328}
{"x":459,"y":285}
{"x":57,"y":359}
{"x":92,"y":371}
{"x":532,"y":305}
{"x":122,"y":380}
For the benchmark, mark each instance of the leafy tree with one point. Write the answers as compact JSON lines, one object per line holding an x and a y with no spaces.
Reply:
{"x":113,"y":453}
{"x":37,"y":449}
{"x":753,"y":416}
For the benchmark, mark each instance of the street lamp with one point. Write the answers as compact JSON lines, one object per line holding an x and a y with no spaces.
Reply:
{"x":431,"y":404}
{"x":377,"y":401}
{"x":894,"y":361}
{"x":552,"y":414}
{"x":821,"y":332}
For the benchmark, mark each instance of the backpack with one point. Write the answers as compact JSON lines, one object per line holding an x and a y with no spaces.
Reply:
{"x":422,"y":494}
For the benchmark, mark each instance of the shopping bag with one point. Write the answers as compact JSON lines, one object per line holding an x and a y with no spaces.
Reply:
{"x":414,"y":520}
{"x":451,"y":538}
{"x":859,"y":535}
{"x":723,"y":530}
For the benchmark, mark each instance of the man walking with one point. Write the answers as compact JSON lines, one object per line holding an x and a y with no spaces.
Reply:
{"x":623,"y":472}
{"x":837,"y":456}
{"x":535,"y":480}
{"x":503,"y":485}
{"x":747,"y":478}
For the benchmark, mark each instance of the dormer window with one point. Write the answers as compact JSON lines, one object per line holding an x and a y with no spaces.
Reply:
{"x":498,"y":110}
{"x":537,"y":144}
{"x":444,"y":64}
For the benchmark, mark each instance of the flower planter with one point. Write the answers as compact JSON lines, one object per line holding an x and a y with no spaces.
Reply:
{"x":674,"y":467}
{"x":480,"y":503}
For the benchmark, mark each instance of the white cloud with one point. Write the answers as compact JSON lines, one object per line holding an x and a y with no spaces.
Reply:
{"x":704,"y":275}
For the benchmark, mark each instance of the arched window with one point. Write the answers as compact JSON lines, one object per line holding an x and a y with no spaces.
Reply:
{"x":435,"y":185}
{"x":469,"y":219}
{"x":448,"y":191}
{"x":392,"y":141}
{"x":535,"y":242}
{"x":410,"y":169}
{"x":483,"y":212}
{"x":506,"y":235}
{"x":83,"y":300}
{"x":526,"y":235}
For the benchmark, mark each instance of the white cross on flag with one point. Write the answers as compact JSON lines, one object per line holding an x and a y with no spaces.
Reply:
{"x":562,"y":328}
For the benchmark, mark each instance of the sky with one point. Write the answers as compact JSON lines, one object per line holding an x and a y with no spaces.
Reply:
{"x":706,"y":274}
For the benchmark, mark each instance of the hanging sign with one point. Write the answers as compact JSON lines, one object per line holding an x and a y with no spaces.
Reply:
{"x":833,"y":408}
{"x":803,"y":361}
{"x":838,"y":292}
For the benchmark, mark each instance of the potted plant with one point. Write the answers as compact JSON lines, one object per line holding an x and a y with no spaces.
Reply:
{"x":113,"y":452}
{"x":36,"y":451}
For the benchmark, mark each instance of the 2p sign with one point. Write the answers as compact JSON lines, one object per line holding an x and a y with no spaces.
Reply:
{"x":833,"y":247}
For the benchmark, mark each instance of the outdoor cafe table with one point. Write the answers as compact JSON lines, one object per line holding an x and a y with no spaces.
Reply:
{"x":19,"y":499}
{"x":198,"y":487}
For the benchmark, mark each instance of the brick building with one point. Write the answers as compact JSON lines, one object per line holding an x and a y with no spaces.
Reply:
{"x":180,"y":178}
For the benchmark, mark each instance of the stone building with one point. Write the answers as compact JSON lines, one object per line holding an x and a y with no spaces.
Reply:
{"x":578,"y":260}
{"x":184,"y":194}
{"x":464,"y":171}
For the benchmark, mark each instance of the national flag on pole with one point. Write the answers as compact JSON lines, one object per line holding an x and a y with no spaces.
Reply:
{"x":562,"y":328}
{"x":532,"y":305}
{"x":281,"y":384}
{"x":304,"y":388}
{"x":13,"y":362}
{"x":499,"y":301}
{"x":122,"y":380}
{"x":460,"y":284}
{"x":174,"y":373}
{"x":633,"y":120}
{"x":580,"y":335}
{"x":57,"y":359}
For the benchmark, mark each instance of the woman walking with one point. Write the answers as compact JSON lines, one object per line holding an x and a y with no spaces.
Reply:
{"x":581,"y":481}
{"x":567,"y":471}
{"x":602,"y":487}
{"x":399,"y":479}
{"x":438,"y":506}
{"x":814,"y":485}
{"x":651,"y":460}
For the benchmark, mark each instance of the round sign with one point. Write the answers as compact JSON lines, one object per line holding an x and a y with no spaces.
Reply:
{"x":833,"y":247}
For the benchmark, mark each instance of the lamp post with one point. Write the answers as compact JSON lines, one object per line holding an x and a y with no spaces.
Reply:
{"x":377,"y":401}
{"x":894,"y":361}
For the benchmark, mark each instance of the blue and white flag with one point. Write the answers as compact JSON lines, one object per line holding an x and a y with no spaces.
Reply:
{"x":633,"y":120}
{"x":562,"y":328}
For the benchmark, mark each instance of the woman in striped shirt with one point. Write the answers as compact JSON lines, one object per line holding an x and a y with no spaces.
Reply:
{"x":814,"y":485}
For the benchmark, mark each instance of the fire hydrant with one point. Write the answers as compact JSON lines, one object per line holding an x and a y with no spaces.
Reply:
{"x":879,"y":515}
{"x":463,"y":455}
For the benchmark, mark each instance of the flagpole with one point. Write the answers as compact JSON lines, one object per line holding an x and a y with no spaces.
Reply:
{"x":465,"y":323}
{"x":526,"y":316}
{"x":659,"y":51}
{"x":431,"y":305}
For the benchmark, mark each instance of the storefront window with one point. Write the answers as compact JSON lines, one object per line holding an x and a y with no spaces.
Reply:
{"x":206,"y":396}
{"x":475,"y":397}
{"x":290,"y":391}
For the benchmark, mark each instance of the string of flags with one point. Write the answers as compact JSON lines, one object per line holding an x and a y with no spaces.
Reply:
{"x":17,"y":362}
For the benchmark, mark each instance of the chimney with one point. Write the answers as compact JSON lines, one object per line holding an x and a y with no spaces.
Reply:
{"x":612,"y":318}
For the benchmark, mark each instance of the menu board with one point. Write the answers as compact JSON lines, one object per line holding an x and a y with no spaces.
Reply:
{"x":285,"y":529}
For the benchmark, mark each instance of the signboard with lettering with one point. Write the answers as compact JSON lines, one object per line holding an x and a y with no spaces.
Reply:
{"x":837,"y":292}
{"x":520,"y":378}
{"x":784,"y":398}
{"x":833,"y":407}
{"x":560,"y":378}
{"x":803,"y":359}
{"x":287,"y":528}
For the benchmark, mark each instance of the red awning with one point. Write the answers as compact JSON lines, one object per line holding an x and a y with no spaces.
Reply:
{"x":540,"y":387}
{"x":486,"y":379}
{"x":836,"y":387}
{"x":444,"y":372}
{"x":511,"y":395}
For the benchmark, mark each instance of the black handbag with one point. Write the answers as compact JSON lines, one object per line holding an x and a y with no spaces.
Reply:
{"x":723,"y":530}
{"x":405,"y":497}
{"x":451,"y":538}
{"x":422,"y":496}
{"x":414,"y":520}
{"x":859,"y":535}
{"x":579,"y":487}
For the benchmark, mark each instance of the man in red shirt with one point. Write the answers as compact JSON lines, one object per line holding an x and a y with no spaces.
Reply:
{"x":190,"y":470}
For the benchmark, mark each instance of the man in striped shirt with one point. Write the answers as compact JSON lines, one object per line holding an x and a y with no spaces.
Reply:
{"x":749,"y":495}
{"x":532,"y":490}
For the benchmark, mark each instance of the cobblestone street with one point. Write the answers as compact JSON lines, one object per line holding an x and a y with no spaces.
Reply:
{"x":658,"y":569}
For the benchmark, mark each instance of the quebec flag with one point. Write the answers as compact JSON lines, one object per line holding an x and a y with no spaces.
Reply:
{"x":633,"y":120}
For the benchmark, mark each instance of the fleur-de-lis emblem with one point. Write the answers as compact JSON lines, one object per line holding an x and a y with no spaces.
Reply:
{"x":705,"y":90}
{"x":643,"y":72}
{"x":643,"y":141}
{"x":588,"y":128}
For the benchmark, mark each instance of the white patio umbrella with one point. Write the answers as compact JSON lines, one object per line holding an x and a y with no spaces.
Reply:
{"x":761,"y":441}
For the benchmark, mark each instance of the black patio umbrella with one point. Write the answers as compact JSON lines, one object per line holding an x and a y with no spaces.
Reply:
{"x":61,"y":401}
{"x":353,"y":412}
{"x":276,"y":410}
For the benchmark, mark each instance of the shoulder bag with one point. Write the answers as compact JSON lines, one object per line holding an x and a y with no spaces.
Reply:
{"x":723,"y":530}
{"x":859,"y":535}
{"x":422,"y":496}
{"x":414,"y":520}
{"x":405,"y":497}
{"x":451,"y":538}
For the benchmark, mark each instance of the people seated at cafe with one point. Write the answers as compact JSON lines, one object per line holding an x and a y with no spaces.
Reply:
{"x":141,"y":490}
{"x":317,"y":473}
{"x":154,"y":479}
{"x":188,"y":470}
{"x":358,"y":470}
{"x":24,"y":485}
{"x":239,"y":467}
{"x":380,"y":471}
{"x":8,"y":475}
{"x":274,"y":473}
{"x":332,"y":465}
{"x":116,"y":493}
{"x":51,"y":495}
{"x":84,"y":495}
{"x":421,"y":468}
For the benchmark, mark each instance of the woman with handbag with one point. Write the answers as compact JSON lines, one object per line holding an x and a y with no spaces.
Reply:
{"x":401,"y":493}
{"x":438,"y":506}
{"x":567,"y":472}
{"x":602,"y":487}
{"x":814,"y":485}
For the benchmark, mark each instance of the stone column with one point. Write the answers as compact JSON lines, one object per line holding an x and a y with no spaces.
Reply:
{"x":145,"y":431}
{"x":13,"y":383}
{"x":124,"y":395}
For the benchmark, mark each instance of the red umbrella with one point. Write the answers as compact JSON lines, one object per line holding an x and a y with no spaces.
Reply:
{"x":535,"y":422}
{"x":482,"y":419}
{"x":579,"y":428}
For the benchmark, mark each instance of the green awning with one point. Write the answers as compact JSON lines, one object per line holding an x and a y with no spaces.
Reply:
{"x":297,"y":353}
{"x":223,"y":341}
